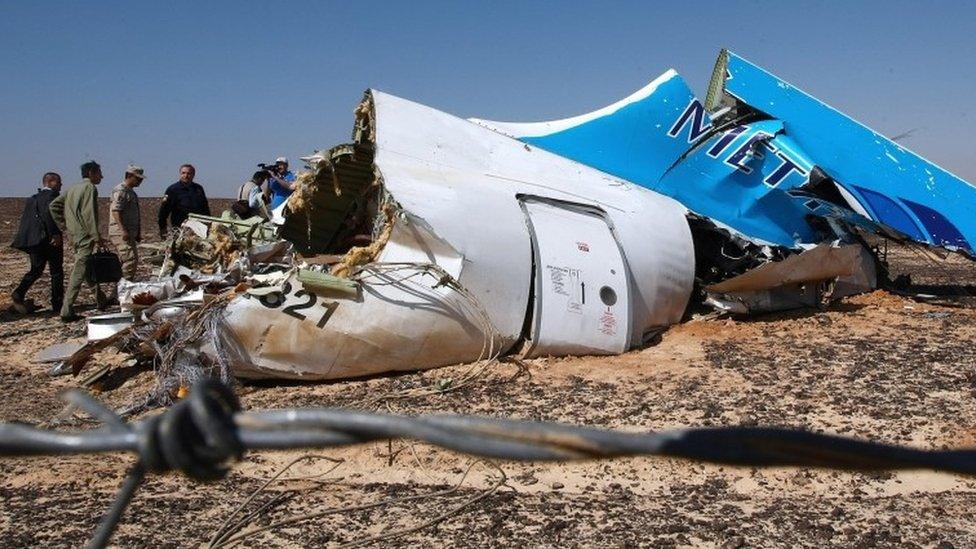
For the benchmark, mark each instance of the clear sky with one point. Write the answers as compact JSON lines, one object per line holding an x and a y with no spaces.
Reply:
{"x":225,"y":85}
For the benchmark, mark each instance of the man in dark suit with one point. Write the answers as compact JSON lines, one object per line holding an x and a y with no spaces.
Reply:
{"x":182,"y":198}
{"x":40,"y":237}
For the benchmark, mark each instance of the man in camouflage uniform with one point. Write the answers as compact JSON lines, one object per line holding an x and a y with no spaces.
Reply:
{"x":124,"y":227}
{"x":77,"y":211}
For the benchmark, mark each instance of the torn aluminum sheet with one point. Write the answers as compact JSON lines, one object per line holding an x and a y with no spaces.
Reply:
{"x":461,"y":276}
{"x":272,"y":252}
{"x":267,"y":280}
{"x":163,"y":312}
{"x":195,"y":296}
{"x":104,"y":326}
{"x":58,"y":352}
{"x":822,"y":262}
{"x":809,"y":279}
{"x":781,"y":298}
{"x":766,"y":159}
{"x":198,"y":227}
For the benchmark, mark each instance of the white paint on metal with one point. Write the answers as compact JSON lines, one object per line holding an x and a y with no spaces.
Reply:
{"x":401,"y":321}
{"x":458,"y":185}
{"x":582,"y":299}
{"x":538,"y":129}
{"x":463,"y":180}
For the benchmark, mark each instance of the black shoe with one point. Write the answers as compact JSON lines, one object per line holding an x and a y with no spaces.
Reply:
{"x":71,"y":318}
{"x":19,"y":305}
{"x":104,"y":302}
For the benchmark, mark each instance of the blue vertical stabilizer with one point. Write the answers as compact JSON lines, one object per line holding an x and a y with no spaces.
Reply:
{"x":747,"y":156}
{"x":892,"y":184}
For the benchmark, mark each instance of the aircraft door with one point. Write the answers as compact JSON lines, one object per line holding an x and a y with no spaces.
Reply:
{"x":581,"y":294}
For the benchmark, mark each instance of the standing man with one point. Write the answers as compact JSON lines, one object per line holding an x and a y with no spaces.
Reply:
{"x":282,"y":182}
{"x":40,"y":237}
{"x":77,"y":211}
{"x":182,"y":198}
{"x":124,"y":226}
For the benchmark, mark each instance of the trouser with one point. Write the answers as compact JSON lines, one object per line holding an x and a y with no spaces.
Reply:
{"x":53,"y":258}
{"x":79,"y":275}
{"x":128,"y":251}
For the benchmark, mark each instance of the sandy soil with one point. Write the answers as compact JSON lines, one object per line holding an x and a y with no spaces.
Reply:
{"x":878,"y":366}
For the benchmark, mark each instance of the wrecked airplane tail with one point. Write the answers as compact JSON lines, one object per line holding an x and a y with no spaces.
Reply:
{"x":432,"y":240}
{"x":765,"y":160}
{"x":873,"y":175}
{"x":461,"y":244}
{"x":635,"y":138}
{"x":653,"y":138}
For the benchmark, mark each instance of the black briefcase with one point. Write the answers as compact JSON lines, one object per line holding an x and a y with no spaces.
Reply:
{"x":104,"y":267}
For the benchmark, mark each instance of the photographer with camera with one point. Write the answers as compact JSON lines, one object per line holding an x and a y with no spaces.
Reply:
{"x":281,"y":181}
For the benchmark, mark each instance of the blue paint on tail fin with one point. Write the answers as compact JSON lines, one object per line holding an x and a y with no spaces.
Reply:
{"x":855,"y":155}
{"x":752,"y":174}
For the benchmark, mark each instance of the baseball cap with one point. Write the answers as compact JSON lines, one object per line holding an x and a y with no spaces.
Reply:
{"x":135,"y":170}
{"x":281,"y":159}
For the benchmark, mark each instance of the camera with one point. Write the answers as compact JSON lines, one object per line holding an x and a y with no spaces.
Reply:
{"x":270,"y":168}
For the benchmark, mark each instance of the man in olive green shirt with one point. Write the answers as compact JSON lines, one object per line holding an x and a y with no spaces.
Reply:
{"x":124,"y":225}
{"x":77,"y":212}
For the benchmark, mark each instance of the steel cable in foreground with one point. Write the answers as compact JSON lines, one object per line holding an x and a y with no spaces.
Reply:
{"x":202,"y":434}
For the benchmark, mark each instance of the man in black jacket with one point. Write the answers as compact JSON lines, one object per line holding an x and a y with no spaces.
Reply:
{"x":182,"y":198}
{"x":40,"y":237}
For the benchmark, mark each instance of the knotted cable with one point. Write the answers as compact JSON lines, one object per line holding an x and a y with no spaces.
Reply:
{"x":196,"y":437}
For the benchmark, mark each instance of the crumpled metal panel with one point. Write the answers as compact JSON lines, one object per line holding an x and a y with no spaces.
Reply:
{"x":894,"y":185}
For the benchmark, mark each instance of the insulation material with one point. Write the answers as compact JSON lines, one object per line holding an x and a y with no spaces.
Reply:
{"x":134,"y":295}
{"x":304,"y":187}
{"x":361,"y":255}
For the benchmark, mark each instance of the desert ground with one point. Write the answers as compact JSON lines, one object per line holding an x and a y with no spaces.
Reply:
{"x":881,"y":366}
